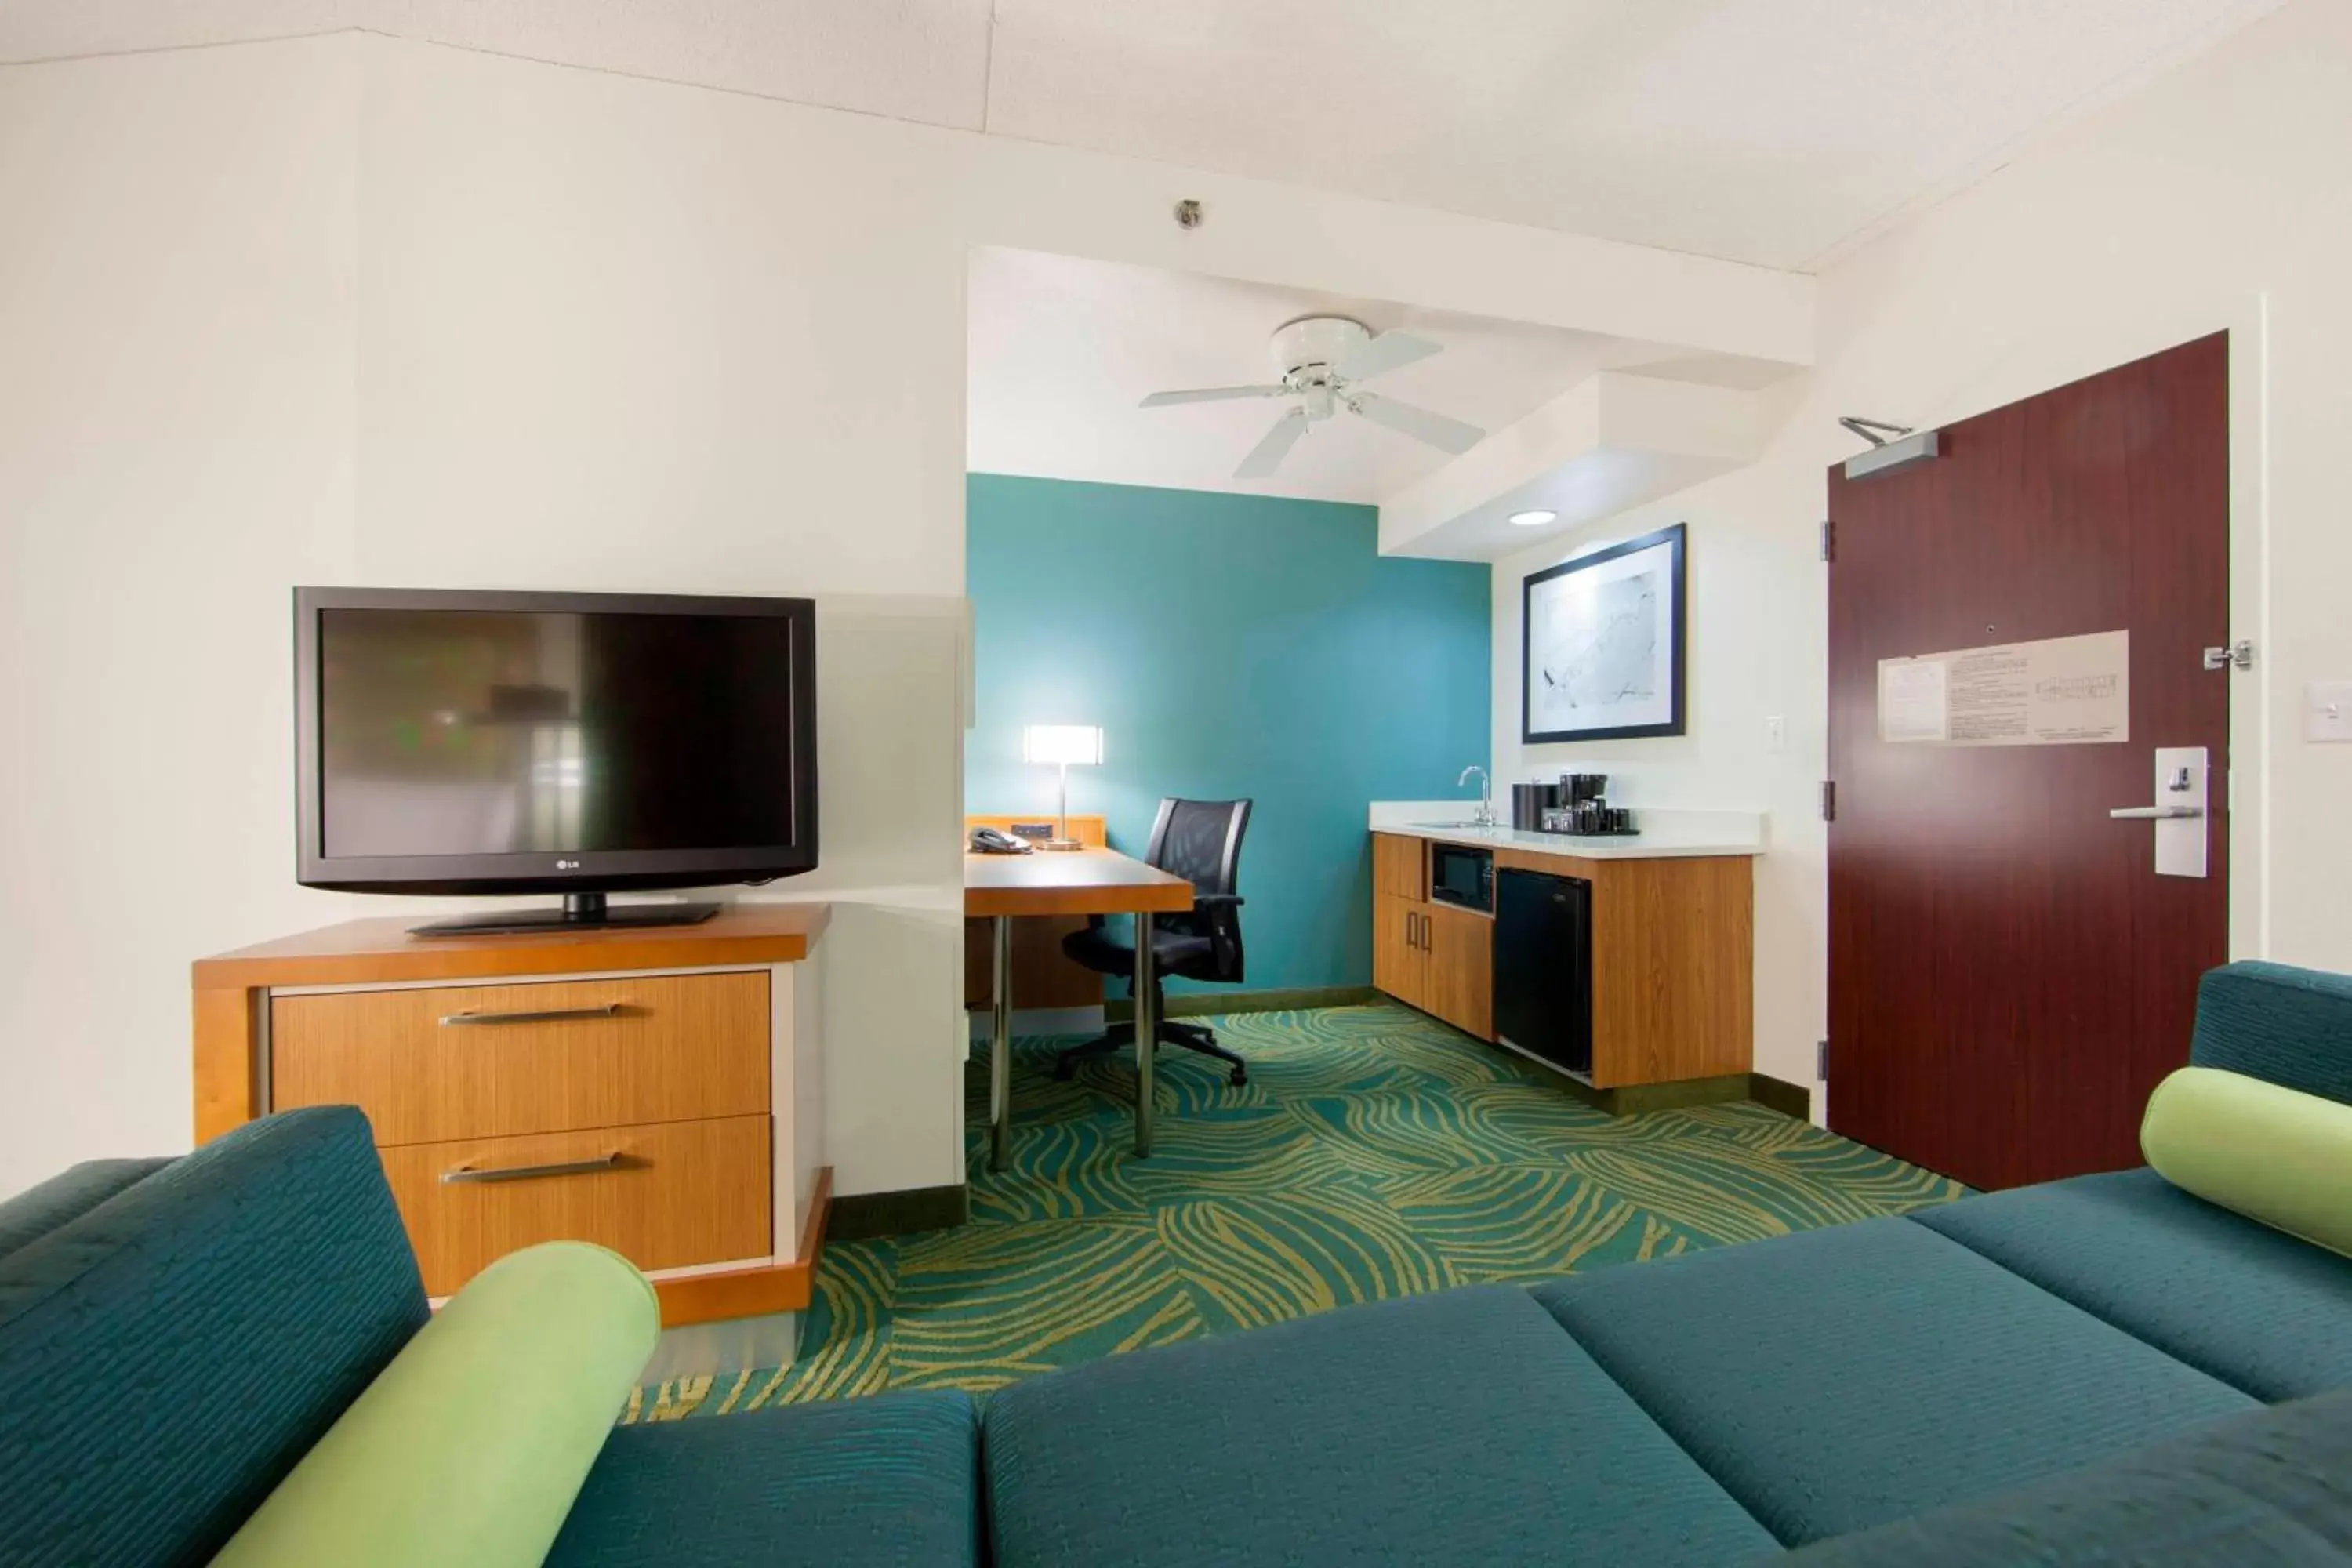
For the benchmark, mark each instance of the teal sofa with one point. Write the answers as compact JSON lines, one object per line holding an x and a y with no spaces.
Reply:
{"x":2099,"y":1371}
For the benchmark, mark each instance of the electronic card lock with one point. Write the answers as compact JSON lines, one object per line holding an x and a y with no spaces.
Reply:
{"x":2179,"y":814}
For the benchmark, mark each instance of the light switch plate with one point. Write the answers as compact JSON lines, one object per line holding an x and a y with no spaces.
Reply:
{"x":2328,"y":710}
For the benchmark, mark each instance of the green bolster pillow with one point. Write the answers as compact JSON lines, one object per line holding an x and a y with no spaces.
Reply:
{"x":2273,"y":1154}
{"x":471,"y":1445}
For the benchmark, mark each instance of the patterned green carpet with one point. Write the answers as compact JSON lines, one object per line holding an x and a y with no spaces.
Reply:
{"x":1374,"y":1153}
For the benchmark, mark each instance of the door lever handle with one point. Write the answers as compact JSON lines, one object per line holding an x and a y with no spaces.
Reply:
{"x":2155,"y":813}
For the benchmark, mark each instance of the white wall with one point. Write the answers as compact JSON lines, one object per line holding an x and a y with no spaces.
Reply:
{"x":356,"y":309}
{"x":2216,"y":199}
{"x":177,"y":271}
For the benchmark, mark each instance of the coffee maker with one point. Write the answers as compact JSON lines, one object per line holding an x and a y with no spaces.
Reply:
{"x":1580,"y":805}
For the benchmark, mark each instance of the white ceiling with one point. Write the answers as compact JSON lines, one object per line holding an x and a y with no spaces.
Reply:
{"x":1062,"y":351}
{"x":1773,"y":131}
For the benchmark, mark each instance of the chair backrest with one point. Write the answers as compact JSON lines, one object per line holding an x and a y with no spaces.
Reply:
{"x":1200,"y":840}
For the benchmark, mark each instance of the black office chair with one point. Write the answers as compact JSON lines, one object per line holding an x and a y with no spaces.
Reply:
{"x":1200,"y":840}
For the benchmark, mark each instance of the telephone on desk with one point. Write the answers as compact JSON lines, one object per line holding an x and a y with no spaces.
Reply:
{"x":990,"y":841}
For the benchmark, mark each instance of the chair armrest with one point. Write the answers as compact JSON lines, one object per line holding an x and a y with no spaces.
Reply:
{"x":1217,"y":901}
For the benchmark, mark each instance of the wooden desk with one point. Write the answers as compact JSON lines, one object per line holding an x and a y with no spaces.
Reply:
{"x":1043,"y":975}
{"x":1090,"y":881}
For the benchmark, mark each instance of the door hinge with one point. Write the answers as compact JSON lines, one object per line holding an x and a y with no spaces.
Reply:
{"x":1829,"y":539}
{"x":2238,"y":653}
{"x":1822,"y":1061}
{"x":1829,"y":800}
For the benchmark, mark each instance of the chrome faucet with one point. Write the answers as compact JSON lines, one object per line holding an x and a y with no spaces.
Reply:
{"x":1486,"y":817}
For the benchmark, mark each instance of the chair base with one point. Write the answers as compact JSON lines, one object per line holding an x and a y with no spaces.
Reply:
{"x":1172,"y":1032}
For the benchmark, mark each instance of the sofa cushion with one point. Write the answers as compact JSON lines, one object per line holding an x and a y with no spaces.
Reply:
{"x":2268,"y":1487}
{"x":170,"y":1354}
{"x":2258,"y":1310}
{"x":1838,"y":1379}
{"x":67,"y":1196}
{"x":1457,"y":1428}
{"x":888,"y":1480}
{"x":2292,"y":1027}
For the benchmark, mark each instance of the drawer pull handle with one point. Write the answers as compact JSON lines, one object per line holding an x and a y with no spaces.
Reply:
{"x":550,"y":1016}
{"x":525,"y":1173}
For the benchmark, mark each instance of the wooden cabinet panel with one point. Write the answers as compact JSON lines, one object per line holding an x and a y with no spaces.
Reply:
{"x":1674,"y":944}
{"x":1041,"y":976}
{"x":679,"y":1193}
{"x":1460,"y":968}
{"x":1399,"y":962}
{"x":649,"y":1048}
{"x":1399,"y":865}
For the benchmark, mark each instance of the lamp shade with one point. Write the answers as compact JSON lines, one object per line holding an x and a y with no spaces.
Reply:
{"x":1061,"y":743}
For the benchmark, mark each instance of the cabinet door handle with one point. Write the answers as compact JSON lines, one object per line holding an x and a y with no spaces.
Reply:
{"x":546,"y":1015}
{"x":525,"y":1173}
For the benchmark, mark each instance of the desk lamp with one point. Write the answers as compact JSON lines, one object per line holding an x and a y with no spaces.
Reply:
{"x":1062,"y":744}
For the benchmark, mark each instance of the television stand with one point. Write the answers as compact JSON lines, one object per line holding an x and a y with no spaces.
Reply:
{"x":580,"y":911}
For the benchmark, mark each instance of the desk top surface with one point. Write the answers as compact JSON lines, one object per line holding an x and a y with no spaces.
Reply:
{"x":1087,"y":881}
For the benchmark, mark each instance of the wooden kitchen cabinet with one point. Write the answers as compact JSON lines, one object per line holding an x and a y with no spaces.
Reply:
{"x":1399,"y":964}
{"x":1401,"y":867}
{"x":1459,"y":973}
{"x":1673,"y":946}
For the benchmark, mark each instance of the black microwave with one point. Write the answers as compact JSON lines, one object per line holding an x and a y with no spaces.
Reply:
{"x":1460,"y":875}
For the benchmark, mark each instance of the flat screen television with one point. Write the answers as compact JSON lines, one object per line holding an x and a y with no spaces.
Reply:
{"x":572,"y":743}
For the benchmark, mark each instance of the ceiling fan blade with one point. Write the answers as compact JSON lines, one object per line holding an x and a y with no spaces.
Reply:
{"x":1210,"y":394}
{"x":1267,"y":454}
{"x":1419,"y":423}
{"x":1378,"y":356}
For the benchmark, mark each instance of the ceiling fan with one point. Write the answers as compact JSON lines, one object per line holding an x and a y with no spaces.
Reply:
{"x":1323,"y":362}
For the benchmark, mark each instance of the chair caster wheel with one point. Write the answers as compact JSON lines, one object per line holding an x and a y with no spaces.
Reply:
{"x":1240,"y":1075}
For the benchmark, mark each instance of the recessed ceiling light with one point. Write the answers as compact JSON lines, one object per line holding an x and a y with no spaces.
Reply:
{"x":1535,"y":519}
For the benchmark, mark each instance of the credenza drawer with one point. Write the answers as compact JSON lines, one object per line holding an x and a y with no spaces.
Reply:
{"x":435,"y":1063}
{"x":663,"y":1197}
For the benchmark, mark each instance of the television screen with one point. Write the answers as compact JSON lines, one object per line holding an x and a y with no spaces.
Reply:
{"x":629,"y":741}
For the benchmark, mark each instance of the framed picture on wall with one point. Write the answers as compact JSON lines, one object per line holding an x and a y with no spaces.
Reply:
{"x":1601,"y":643}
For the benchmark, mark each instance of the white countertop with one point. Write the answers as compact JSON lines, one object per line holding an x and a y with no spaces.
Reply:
{"x":1666,"y":833}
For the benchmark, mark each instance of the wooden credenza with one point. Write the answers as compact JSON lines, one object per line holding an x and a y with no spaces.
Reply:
{"x":658,"y":1090}
{"x":1673,"y":956}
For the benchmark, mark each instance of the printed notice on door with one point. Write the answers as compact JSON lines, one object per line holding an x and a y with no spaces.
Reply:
{"x":2062,"y":691}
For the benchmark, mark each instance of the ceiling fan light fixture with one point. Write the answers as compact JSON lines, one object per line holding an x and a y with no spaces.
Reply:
{"x":1322,"y":361}
{"x":1535,"y":517}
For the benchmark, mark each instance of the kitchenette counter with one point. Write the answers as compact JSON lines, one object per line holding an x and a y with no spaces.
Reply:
{"x":1624,"y":963}
{"x":1666,"y":834}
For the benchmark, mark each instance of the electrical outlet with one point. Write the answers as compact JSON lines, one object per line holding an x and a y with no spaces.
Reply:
{"x":1776,"y":732}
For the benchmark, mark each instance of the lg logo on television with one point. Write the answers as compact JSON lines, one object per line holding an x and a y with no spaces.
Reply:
{"x":567,"y":865}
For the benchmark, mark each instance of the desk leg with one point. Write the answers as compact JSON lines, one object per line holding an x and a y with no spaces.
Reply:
{"x":1147,"y":1032}
{"x":1000,"y":1043}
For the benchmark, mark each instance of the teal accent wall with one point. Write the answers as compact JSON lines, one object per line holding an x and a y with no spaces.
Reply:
{"x":1228,"y":645}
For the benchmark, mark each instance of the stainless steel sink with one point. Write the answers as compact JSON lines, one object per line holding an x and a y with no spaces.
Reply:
{"x":1460,"y":826}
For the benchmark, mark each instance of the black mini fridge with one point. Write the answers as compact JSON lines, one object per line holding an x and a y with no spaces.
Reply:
{"x":1543,"y":967}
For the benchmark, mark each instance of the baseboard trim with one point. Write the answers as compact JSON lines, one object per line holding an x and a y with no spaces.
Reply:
{"x":1041,"y":1021}
{"x":862,"y":1216}
{"x":1778,"y":1094}
{"x":1674,"y":1094}
{"x":1202,"y":1004}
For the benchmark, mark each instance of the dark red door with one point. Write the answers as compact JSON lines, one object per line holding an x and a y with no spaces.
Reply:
{"x":2009,"y":975}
